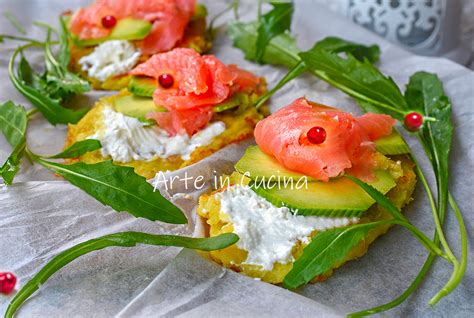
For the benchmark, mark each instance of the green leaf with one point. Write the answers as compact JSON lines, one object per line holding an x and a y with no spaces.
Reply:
{"x":78,"y":149}
{"x":120,"y":188}
{"x":123,"y":239}
{"x":64,"y":55}
{"x":271,"y":24}
{"x":329,"y":248}
{"x":13,"y":123}
{"x":61,"y":83}
{"x":30,"y":85}
{"x":281,"y":50}
{"x":425,"y":94}
{"x":326,"y":249}
{"x":360,"y":52}
{"x":360,"y":80}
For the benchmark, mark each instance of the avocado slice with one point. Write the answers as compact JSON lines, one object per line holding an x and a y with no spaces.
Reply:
{"x":240,"y":100}
{"x":126,"y":29}
{"x":392,"y":145}
{"x":340,"y":197}
{"x":130,"y":29}
{"x":135,"y":106}
{"x":257,"y":164}
{"x":143,"y":86}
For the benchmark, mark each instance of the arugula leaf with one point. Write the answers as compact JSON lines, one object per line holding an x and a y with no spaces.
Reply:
{"x":78,"y":149}
{"x":329,"y":248}
{"x":61,"y":83}
{"x":326,"y":249}
{"x":425,"y":94}
{"x":360,"y":52}
{"x":33,"y":88}
{"x":13,"y":125}
{"x":281,"y":50}
{"x":64,"y":55}
{"x":360,"y":80}
{"x":271,"y":24}
{"x":123,"y":239}
{"x":118,"y":187}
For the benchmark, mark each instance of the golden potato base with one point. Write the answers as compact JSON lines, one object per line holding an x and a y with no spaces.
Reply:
{"x":233,"y":257}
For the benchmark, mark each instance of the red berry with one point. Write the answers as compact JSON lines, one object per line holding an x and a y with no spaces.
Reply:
{"x":7,"y":282}
{"x":109,"y":21}
{"x":166,"y":80}
{"x":413,"y":121}
{"x":316,"y":135}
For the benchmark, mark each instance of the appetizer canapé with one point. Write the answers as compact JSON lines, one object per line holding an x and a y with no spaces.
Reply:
{"x":110,"y":37}
{"x":292,"y":186}
{"x":180,"y":107}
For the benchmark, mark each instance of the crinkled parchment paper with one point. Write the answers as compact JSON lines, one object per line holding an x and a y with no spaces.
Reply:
{"x":41,"y":215}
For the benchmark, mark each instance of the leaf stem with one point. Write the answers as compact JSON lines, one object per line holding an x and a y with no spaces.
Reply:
{"x":435,"y":212}
{"x":294,"y":72}
{"x":123,"y":239}
{"x":31,"y":112}
{"x":459,"y":268}
{"x":355,"y":94}
{"x":22,"y":38}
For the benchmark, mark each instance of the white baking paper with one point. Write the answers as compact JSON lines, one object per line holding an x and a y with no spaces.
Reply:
{"x":42,"y":215}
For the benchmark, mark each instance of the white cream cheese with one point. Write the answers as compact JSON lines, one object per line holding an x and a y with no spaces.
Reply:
{"x":126,"y":138}
{"x":266,"y":232}
{"x":110,"y":58}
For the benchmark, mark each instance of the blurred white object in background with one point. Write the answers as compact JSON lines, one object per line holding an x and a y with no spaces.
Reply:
{"x":427,"y":27}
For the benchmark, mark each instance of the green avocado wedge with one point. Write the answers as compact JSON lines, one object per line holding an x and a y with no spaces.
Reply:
{"x":340,"y":197}
{"x":135,"y":106}
{"x":257,"y":164}
{"x":142,"y":86}
{"x":126,"y":29}
{"x":392,"y":145}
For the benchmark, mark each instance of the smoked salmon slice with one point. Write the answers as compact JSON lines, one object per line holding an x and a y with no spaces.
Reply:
{"x":199,"y":83}
{"x":169,"y":19}
{"x":348,"y":147}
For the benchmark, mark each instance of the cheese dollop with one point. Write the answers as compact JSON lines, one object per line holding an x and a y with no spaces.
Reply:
{"x":110,"y":58}
{"x":126,"y":138}
{"x":266,"y":232}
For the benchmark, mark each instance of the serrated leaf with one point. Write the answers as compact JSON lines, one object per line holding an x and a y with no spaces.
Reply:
{"x":64,"y":55}
{"x":13,"y":124}
{"x":123,"y":239}
{"x":360,"y":80}
{"x":271,"y":24}
{"x":78,"y":149}
{"x":120,"y":188}
{"x":49,"y":107}
{"x":425,"y":94}
{"x":281,"y":50}
{"x":61,"y":83}
{"x":360,"y":52}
